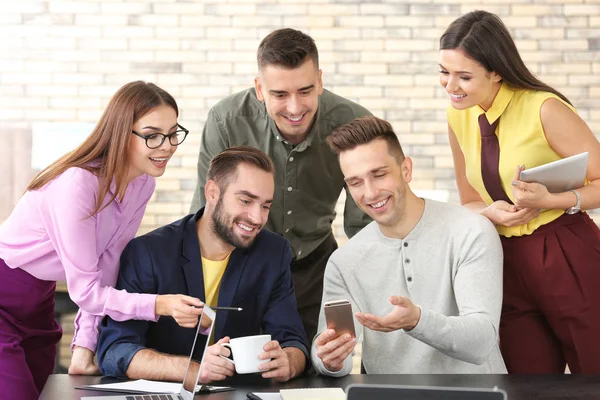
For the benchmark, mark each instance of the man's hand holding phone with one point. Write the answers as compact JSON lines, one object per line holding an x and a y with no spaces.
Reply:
{"x":404,"y":315}
{"x":338,"y":341}
{"x":333,"y":349}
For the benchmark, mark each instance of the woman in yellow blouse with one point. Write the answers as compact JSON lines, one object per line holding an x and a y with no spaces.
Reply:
{"x":502,"y":119}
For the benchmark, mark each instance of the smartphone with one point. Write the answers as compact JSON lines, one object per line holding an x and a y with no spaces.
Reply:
{"x":338,"y":314}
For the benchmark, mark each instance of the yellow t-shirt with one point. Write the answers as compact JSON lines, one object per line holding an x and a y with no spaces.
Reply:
{"x":521,"y":139}
{"x":213,"y":272}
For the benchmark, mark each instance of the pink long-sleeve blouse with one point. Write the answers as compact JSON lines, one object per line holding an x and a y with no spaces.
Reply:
{"x":51,"y":236}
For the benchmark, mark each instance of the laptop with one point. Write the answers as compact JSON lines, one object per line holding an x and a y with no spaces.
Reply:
{"x":359,"y":391}
{"x":192,"y":373}
{"x":561,"y":175}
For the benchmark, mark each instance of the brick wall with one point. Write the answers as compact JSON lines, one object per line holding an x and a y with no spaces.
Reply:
{"x":61,"y":60}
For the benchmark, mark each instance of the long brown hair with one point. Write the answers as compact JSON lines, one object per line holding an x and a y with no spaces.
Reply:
{"x":104,"y":151}
{"x":485,"y":38}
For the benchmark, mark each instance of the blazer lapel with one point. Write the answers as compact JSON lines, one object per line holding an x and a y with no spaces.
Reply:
{"x":192,"y":269}
{"x":229,"y":284}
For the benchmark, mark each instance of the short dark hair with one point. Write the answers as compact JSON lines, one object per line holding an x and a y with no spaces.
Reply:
{"x":485,"y":38}
{"x":223,"y":167}
{"x":362,"y":131}
{"x":286,"y":48}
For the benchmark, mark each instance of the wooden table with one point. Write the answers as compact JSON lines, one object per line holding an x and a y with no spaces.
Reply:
{"x":518,"y":387}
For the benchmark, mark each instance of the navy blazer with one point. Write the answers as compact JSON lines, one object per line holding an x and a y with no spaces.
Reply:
{"x":167,"y":261}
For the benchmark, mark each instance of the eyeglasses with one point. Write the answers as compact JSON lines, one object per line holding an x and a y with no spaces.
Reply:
{"x":155,"y":140}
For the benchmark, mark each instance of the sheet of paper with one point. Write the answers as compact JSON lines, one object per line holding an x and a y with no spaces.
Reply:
{"x":146,"y":386}
{"x":143,"y":386}
{"x":313,"y":394}
{"x":268,"y":396}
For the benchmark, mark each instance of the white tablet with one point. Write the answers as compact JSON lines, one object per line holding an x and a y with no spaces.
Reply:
{"x":559,"y":176}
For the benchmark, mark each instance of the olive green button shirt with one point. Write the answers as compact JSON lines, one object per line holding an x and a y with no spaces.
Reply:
{"x":308,"y":179}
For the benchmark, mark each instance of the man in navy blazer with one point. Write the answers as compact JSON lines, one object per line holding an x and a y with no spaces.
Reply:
{"x":256,"y":277}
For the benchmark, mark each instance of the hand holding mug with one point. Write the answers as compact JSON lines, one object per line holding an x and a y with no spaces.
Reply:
{"x":278,"y":366}
{"x":246,"y":353}
{"x":216,"y":366}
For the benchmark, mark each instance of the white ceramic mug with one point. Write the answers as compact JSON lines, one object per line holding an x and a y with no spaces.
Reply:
{"x":246,"y":351}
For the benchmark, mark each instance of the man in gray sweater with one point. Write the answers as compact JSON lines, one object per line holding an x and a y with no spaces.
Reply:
{"x":424,"y":278}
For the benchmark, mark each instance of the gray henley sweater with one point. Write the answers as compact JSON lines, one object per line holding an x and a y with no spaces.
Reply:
{"x":450,"y":265}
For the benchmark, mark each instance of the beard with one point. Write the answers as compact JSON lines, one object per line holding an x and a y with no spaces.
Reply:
{"x":222,"y":226}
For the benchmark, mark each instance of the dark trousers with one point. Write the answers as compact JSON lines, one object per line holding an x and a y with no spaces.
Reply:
{"x":307,"y":274}
{"x":551,"y":307}
{"x":28,"y":333}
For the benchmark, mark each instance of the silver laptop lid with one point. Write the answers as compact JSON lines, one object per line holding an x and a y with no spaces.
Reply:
{"x":192,"y":372}
{"x":404,"y":392}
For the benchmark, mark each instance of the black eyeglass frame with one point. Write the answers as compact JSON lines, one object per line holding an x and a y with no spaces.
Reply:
{"x":164,"y":137}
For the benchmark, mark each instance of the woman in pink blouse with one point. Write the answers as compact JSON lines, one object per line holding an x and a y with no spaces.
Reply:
{"x":72,"y":224}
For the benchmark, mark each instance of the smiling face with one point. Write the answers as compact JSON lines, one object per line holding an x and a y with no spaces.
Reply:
{"x":143,"y":160}
{"x":466,"y":81}
{"x":241,"y":210}
{"x":377,"y":182}
{"x":291,"y":97}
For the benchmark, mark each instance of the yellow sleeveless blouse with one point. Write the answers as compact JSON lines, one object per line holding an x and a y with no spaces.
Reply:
{"x":521,"y":139}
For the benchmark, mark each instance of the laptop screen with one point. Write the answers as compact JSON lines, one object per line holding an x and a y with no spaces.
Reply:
{"x":192,"y":373}
{"x":392,"y":392}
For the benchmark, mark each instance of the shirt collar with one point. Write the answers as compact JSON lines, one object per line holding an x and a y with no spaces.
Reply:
{"x":420,"y":228}
{"x":501,"y":101}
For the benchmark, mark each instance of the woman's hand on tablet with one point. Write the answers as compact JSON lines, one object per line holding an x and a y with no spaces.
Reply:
{"x":529,"y":195}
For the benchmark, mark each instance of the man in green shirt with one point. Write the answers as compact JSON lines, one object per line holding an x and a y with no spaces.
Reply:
{"x":288,"y":115}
